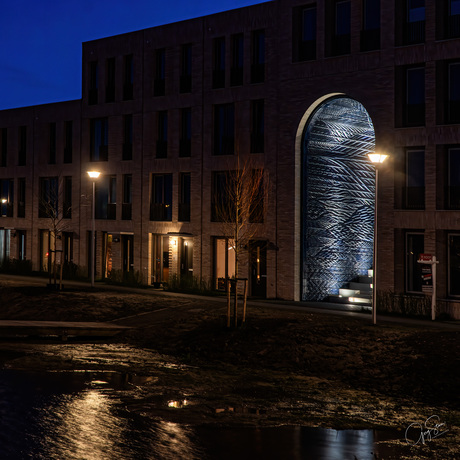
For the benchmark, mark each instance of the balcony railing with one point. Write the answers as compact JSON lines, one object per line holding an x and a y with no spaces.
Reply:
{"x":185,"y":84}
{"x":414,"y":198}
{"x":370,"y":40}
{"x":160,"y":212}
{"x":415,"y":32}
{"x":126,"y":211}
{"x":184,"y":212}
{"x":258,"y":73}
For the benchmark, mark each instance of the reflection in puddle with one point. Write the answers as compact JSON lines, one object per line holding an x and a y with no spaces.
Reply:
{"x":82,"y":415}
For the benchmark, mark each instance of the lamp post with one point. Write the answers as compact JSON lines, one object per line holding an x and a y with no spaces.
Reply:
{"x":93,"y":175}
{"x":377,"y":159}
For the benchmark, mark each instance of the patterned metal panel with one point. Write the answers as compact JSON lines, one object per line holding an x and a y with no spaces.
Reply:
{"x":338,"y":197}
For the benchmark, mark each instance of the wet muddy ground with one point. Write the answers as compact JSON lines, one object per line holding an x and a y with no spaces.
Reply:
{"x":281,"y":367}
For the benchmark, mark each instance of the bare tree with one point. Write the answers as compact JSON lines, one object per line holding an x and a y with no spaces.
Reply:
{"x":239,"y":203}
{"x":56,"y":209}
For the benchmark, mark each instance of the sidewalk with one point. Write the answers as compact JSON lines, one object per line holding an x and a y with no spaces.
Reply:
{"x":311,"y":307}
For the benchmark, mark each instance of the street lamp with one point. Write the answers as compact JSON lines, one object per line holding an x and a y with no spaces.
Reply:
{"x":377,"y":159}
{"x":93,"y":175}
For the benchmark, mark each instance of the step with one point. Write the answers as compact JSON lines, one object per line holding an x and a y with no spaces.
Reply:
{"x":362,"y":287}
{"x":359,"y":299}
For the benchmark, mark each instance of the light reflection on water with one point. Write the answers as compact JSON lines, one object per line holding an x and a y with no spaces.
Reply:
{"x":81,"y":415}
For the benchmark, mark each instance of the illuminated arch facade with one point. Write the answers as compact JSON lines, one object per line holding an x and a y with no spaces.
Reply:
{"x":338,"y":186}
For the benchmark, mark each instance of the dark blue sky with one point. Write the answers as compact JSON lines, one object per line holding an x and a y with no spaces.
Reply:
{"x":40,"y":40}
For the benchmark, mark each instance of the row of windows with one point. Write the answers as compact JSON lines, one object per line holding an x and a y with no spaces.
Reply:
{"x":410,"y":16}
{"x":410,"y":193}
{"x":219,"y":74}
{"x":223,"y":135}
{"x":410,"y":94}
{"x":52,"y":190}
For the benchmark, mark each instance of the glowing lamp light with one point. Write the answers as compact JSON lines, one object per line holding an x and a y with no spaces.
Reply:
{"x":4,"y":200}
{"x":94,"y":174}
{"x":377,"y":157}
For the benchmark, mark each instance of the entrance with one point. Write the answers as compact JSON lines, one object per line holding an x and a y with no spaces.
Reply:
{"x":186,"y":257}
{"x":338,"y":186}
{"x":127,"y":242}
{"x":160,"y":259}
{"x":258,"y":268}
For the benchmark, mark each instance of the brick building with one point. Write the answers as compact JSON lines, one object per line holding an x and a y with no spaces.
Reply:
{"x":305,"y":89}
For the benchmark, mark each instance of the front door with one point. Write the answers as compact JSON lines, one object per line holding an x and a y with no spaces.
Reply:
{"x":128,"y":257}
{"x":259,"y":269}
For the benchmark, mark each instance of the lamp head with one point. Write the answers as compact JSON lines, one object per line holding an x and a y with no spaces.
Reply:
{"x":377,"y":158}
{"x":94,"y":174}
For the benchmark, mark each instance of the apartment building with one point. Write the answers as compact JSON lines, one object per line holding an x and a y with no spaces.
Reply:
{"x":305,"y":89}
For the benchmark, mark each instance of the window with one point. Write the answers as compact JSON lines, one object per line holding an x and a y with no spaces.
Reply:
{"x":22,"y":150}
{"x":6,"y":198}
{"x":256,"y":196}
{"x":415,"y":22}
{"x":3,"y":146}
{"x":257,"y":126}
{"x":342,"y":28}
{"x":236,"y":71}
{"x":415,"y":179}
{"x":126,"y":212}
{"x":21,"y":197}
{"x":106,"y":197}
{"x":93,"y":82}
{"x":127,"y":137}
{"x":68,"y":141}
{"x":67,"y":205}
{"x":415,"y":97}
{"x":185,"y":142}
{"x":224,"y":261}
{"x":186,"y":69}
{"x":162,"y":135}
{"x":453,"y":264}
{"x":258,"y":57}
{"x":221,"y":207}
{"x":48,"y":197}
{"x":370,"y":33}
{"x":21,"y":236}
{"x":304,"y":33}
{"x":414,"y":247}
{"x":454,"y":19}
{"x":110,"y":80}
{"x":128,"y":77}
{"x":52,"y":144}
{"x":99,"y":132}
{"x":161,"y":197}
{"x":453,"y":178}
{"x":159,"y":85}
{"x":184,"y":202}
{"x":224,"y":129}
{"x":218,"y":74}
{"x":453,"y":99}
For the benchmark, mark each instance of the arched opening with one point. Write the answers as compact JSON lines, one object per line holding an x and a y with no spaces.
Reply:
{"x":337,"y":190}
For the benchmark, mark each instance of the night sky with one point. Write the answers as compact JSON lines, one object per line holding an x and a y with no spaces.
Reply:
{"x":41,"y":40}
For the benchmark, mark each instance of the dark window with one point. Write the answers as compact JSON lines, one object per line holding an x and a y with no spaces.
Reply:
{"x":258,"y":57}
{"x":67,"y":205}
{"x":453,"y":26}
{"x":454,"y":265}
{"x":161,"y":197}
{"x":304,"y":33}
{"x":256,"y":197}
{"x":159,"y":85}
{"x":415,"y":96}
{"x":48,"y":198}
{"x":22,"y":197}
{"x":106,"y":197}
{"x":414,"y":195}
{"x":127,"y":137}
{"x":7,"y":197}
{"x":218,"y":74}
{"x":3,"y":146}
{"x":22,"y":151}
{"x":185,"y":198}
{"x":370,"y":33}
{"x":93,"y":82}
{"x":221,"y":206}
{"x":127,"y":197}
{"x":52,"y":144}
{"x":162,"y":135}
{"x":224,"y":129}
{"x":236,"y":71}
{"x":110,"y":80}
{"x":68,"y":142}
{"x":99,"y":132}
{"x":128,"y":77}
{"x":185,"y":142}
{"x":415,"y":22}
{"x":414,"y":247}
{"x":186,"y":69}
{"x":342,"y":28}
{"x":257,"y":126}
{"x":453,"y":178}
{"x":453,"y":96}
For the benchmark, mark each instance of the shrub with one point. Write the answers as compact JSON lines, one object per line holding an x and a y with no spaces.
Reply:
{"x":16,"y":267}
{"x":403,"y":304}
{"x":189,"y":284}
{"x":122,"y":278}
